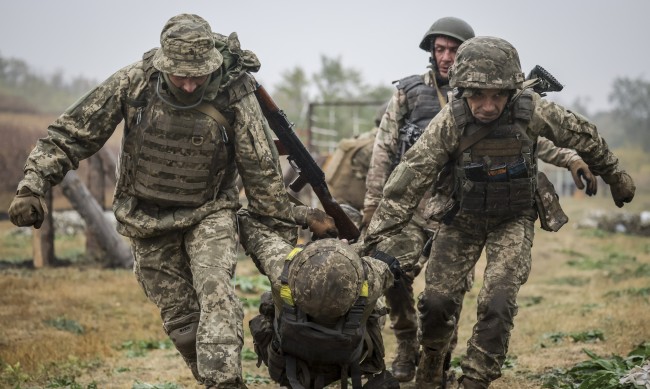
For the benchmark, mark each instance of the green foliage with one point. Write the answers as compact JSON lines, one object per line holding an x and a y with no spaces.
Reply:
{"x":640,"y":271}
{"x":528,"y":301}
{"x":63,"y":324}
{"x":248,"y":355}
{"x":250,"y":303}
{"x":630,"y":98}
{"x":611,"y":261}
{"x":139,"y":348}
{"x":165,"y":385}
{"x":632,"y":292}
{"x":49,"y":94}
{"x":571,"y":281}
{"x":256,"y":379}
{"x":252,"y":284}
{"x":69,"y":382}
{"x":597,"y":372}
{"x":14,"y":375}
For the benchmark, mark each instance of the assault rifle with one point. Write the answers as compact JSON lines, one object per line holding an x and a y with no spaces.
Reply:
{"x":301,"y":160}
{"x":545,"y":82}
{"x":408,"y":134}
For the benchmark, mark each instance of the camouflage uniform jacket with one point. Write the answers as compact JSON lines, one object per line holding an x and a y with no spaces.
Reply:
{"x":424,"y":161}
{"x":386,"y":147}
{"x":84,"y":128}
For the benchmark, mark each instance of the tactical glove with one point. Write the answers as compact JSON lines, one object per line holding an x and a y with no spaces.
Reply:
{"x":579,"y":170}
{"x":622,"y":187}
{"x":27,"y":209}
{"x":392,"y":262}
{"x":321,"y":224}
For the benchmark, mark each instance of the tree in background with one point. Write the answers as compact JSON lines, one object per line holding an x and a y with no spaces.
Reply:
{"x":631,"y":98}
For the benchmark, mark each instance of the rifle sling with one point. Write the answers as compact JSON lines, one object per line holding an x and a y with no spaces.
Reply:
{"x":470,"y":140}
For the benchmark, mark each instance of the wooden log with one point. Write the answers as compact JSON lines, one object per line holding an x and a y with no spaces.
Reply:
{"x":111,"y":242}
{"x":43,"y":238}
{"x":97,"y":187}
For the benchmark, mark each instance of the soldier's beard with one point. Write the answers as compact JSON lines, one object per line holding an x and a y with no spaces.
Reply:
{"x":186,"y":99}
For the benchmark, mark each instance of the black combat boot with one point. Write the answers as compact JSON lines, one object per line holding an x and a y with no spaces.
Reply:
{"x":468,"y":383}
{"x":383,"y":380}
{"x":406,"y":359}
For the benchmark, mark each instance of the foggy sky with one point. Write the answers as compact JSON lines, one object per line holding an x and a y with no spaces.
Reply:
{"x":584,"y":44}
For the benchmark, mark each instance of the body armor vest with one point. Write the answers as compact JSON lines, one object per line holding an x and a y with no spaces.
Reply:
{"x":422,"y":99}
{"x":305,"y":343}
{"x":174,"y":157}
{"x":497,"y":175}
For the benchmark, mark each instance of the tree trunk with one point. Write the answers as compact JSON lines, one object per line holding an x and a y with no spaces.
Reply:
{"x":111,"y":242}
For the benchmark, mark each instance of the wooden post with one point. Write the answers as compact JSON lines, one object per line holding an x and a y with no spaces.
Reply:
{"x":96,"y":186}
{"x":43,"y":238}
{"x":117,"y":250}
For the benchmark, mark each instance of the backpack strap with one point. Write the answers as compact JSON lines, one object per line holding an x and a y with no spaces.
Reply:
{"x":210,"y":111}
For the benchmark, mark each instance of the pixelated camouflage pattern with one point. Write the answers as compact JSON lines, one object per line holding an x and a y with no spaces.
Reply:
{"x":424,"y":161}
{"x":458,"y":246}
{"x":180,"y":286}
{"x":486,"y":62}
{"x":206,"y":232}
{"x":326,"y":278}
{"x":187,"y":47}
{"x":83,"y":129}
{"x":508,"y":243}
{"x":385,"y":150}
{"x":558,"y":156}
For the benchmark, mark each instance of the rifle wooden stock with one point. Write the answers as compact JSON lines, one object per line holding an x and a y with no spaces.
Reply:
{"x":304,"y":164}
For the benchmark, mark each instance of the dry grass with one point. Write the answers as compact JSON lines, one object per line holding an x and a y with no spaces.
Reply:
{"x":111,"y":308}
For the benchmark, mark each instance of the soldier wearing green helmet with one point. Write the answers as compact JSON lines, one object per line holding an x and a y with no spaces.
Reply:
{"x":191,"y":125}
{"x":487,"y":135}
{"x":416,"y":101}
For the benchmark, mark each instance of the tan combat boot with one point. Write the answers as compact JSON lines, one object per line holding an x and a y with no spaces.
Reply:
{"x":430,"y":373}
{"x":406,"y":359}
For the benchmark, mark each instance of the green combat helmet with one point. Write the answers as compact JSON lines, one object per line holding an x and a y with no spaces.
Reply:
{"x":448,"y":26}
{"x":486,"y":62}
{"x":326,"y":278}
{"x":187,"y":48}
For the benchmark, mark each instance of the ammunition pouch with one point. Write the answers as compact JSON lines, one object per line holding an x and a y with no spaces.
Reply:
{"x":547,"y":202}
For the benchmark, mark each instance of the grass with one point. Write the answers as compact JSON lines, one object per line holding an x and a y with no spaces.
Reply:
{"x":81,"y":326}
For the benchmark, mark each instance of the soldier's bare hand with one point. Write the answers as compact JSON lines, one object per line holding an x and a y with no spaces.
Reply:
{"x":321,"y":224}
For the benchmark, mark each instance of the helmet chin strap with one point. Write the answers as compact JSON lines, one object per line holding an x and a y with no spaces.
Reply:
{"x":168,"y":102}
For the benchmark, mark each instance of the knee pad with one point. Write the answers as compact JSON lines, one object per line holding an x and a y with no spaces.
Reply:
{"x":438,"y":319}
{"x":182,"y":333}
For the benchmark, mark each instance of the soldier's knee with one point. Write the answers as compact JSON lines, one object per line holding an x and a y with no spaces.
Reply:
{"x":182,"y":333}
{"x":437,"y":315}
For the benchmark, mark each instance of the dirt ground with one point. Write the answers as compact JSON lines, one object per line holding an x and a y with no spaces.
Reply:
{"x":563,"y":295}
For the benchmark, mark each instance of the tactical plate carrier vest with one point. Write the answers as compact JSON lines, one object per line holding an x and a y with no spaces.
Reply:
{"x":306,"y":344}
{"x":497,"y":175}
{"x":422,"y":99}
{"x":175,"y":157}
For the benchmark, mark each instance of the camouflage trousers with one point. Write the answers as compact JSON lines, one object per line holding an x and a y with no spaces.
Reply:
{"x":455,"y":251}
{"x":407,"y":248}
{"x":188,"y":274}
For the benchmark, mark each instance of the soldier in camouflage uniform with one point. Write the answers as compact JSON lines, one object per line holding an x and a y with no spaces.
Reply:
{"x":325,"y":286}
{"x":416,"y":101}
{"x":495,"y":183}
{"x":191,"y":124}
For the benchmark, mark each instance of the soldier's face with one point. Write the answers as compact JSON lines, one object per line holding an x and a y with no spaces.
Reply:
{"x":444,"y":52}
{"x":487,"y":104}
{"x":188,"y":84}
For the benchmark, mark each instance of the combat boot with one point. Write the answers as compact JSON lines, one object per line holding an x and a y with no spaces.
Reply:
{"x":468,"y":383}
{"x":383,"y":380}
{"x":406,"y":359}
{"x":430,"y":373}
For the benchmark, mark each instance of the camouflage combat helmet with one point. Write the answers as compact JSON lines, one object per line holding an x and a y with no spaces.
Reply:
{"x":447,"y":26}
{"x":486,"y":62}
{"x":325,"y":278}
{"x":187,"y":47}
